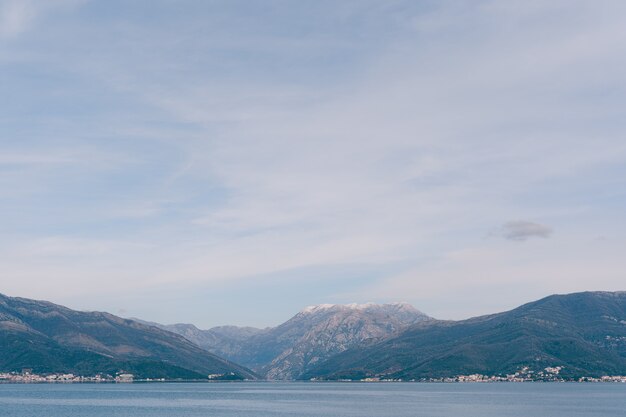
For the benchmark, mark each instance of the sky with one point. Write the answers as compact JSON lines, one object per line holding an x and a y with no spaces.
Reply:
{"x":231,"y":162}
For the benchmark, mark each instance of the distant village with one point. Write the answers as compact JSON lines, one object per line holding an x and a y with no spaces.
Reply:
{"x":28,"y":376}
{"x":525,"y":374}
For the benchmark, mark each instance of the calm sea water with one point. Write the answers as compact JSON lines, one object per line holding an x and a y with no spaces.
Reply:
{"x":313,"y":399}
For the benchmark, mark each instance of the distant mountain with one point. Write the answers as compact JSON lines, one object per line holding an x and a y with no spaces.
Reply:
{"x":313,"y":335}
{"x":224,"y":341}
{"x":585,"y":333}
{"x":50,"y":338}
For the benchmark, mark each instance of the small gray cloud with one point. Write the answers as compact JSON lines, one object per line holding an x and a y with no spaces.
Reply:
{"x":521,"y":230}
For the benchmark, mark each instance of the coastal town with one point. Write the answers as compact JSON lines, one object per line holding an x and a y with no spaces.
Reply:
{"x":548,"y":374}
{"x":524,"y":374}
{"x":27,"y":376}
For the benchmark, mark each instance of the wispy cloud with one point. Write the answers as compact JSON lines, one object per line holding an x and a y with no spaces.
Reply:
{"x":16,"y":16}
{"x":229,"y":141}
{"x":19,"y":16}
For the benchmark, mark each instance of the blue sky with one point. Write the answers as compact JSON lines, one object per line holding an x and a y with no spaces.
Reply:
{"x":230,"y":162}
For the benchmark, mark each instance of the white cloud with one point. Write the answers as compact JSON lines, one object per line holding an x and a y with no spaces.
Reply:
{"x":20,"y":16}
{"x":15,"y":17}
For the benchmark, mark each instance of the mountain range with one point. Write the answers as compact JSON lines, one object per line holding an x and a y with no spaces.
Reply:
{"x":313,"y":335}
{"x":574,"y":335}
{"x":583,"y":333}
{"x":49,"y":338}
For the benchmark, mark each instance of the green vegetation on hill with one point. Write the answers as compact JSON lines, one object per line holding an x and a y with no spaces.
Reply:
{"x":585,"y":333}
{"x":49,"y":338}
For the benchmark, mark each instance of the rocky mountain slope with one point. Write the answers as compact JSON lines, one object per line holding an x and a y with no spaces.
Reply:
{"x":313,"y":335}
{"x":584,"y":333}
{"x":51,"y":338}
{"x":319,"y":332}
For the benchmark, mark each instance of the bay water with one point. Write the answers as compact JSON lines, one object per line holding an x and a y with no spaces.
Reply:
{"x":267,"y":399}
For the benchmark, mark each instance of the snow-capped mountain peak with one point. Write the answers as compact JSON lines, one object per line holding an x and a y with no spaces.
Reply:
{"x":356,"y":306}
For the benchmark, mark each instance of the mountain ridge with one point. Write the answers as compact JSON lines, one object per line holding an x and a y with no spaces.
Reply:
{"x":584,"y":333}
{"x":47,"y":337}
{"x":316,"y":332}
{"x":579,"y":335}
